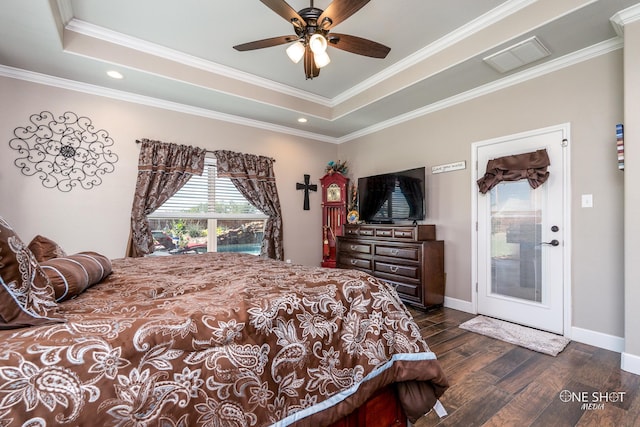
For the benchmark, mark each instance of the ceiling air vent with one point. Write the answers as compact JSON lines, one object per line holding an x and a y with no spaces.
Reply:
{"x":523,"y":53}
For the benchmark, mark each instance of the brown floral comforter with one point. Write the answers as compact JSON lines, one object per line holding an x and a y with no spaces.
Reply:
{"x":216,"y":340}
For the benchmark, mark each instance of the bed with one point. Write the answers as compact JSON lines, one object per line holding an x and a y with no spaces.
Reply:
{"x":216,"y":339}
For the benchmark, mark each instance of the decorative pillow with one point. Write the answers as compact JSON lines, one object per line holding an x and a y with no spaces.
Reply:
{"x":73,"y":274}
{"x":26,"y":296}
{"x":45,"y":249}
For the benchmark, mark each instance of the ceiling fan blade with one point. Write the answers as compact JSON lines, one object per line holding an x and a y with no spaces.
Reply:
{"x":338,"y":11}
{"x":358,"y":45}
{"x":259,"y":44}
{"x":310,"y":69}
{"x":283,"y":9}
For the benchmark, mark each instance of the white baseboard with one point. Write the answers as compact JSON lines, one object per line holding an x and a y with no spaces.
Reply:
{"x":630,"y":363}
{"x":458,"y":304}
{"x":598,"y":339}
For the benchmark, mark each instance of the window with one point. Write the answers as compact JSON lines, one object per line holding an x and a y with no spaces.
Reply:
{"x":399,"y":207}
{"x":207,"y":206}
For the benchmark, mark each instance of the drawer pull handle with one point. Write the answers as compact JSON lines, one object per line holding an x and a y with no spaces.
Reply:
{"x":394,"y":252}
{"x":354,"y":262}
{"x":354,"y":247}
{"x":393,"y":268}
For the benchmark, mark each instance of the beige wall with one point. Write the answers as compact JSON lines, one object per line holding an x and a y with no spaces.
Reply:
{"x":588,"y":96}
{"x":632,"y":194}
{"x":98,"y":219}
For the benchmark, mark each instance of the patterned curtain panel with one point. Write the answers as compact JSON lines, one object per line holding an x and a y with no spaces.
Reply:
{"x":253,"y":176}
{"x":530,"y":166}
{"x":163,"y":169}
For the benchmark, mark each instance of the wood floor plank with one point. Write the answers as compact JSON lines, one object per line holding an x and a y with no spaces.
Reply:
{"x":479,"y":408}
{"x":561,"y":412}
{"x":607,"y":416}
{"x":523,"y":409}
{"x":458,"y":372}
{"x":526,"y":373}
{"x":625,"y":383}
{"x":461,"y":392}
{"x":430,"y":329}
{"x":560,"y":371}
{"x":599,"y":368}
{"x":510,"y":361}
{"x":632,"y":415}
{"x":496,"y":384}
{"x":444,"y":336}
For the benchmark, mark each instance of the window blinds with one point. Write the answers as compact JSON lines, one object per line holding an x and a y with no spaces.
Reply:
{"x":208,"y":196}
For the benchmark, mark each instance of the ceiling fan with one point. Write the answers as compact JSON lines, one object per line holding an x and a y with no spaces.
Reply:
{"x":312,"y":34}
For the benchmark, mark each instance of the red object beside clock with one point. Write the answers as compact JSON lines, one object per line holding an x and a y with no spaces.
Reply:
{"x":334,"y":214}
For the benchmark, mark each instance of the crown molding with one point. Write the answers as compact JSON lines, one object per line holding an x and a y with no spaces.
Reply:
{"x":65,"y":11}
{"x":511,"y":80}
{"x":493,"y":16}
{"x":514,"y":79}
{"x":33,"y":77}
{"x":624,"y":17}
{"x":101,"y":33}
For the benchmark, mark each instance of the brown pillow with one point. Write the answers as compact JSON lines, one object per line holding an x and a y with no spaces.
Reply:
{"x":45,"y":249}
{"x":26,"y":296}
{"x":71,"y":275}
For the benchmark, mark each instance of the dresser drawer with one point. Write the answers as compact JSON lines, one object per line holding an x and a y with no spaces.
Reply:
{"x":366,"y":232}
{"x":407,"y":291}
{"x":404,"y":233}
{"x":406,"y":271}
{"x":355,"y":246}
{"x":410,"y":253}
{"x":356,"y":231}
{"x":398,"y":233}
{"x":384,"y":232}
{"x":351,"y":231}
{"x":349,"y":262}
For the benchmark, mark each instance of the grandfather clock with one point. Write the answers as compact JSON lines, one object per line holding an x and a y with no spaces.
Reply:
{"x":334,"y":214}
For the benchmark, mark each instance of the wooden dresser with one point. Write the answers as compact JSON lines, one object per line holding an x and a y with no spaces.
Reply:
{"x":407,"y":256}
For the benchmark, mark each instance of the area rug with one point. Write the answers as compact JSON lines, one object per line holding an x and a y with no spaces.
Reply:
{"x":533,"y":339}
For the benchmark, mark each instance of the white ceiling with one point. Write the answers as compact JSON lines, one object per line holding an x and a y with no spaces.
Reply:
{"x":178,"y":54}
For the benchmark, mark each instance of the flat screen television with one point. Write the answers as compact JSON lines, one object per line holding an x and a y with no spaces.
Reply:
{"x":392,"y":197}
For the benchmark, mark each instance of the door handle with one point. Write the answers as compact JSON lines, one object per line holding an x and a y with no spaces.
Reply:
{"x":554,"y":242}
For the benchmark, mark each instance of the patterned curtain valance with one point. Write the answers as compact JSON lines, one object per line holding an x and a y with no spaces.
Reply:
{"x":170,"y":158}
{"x":244,"y":166}
{"x":530,"y":166}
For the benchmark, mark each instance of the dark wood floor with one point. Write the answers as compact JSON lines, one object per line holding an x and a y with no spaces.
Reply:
{"x":494,"y":383}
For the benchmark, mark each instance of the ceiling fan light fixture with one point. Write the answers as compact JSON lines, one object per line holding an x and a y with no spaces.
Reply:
{"x":312,"y":27}
{"x":318,"y":43}
{"x":295,"y":52}
{"x":321,"y":59}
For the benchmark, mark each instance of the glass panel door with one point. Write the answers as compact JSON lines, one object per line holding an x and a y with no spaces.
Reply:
{"x":520,"y":236}
{"x":515,"y":241}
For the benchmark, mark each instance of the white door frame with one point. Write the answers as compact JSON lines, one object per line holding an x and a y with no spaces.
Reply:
{"x":565,"y":128}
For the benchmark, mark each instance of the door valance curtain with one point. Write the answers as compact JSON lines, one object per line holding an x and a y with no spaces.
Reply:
{"x":253,"y":176}
{"x":530,"y":166}
{"x":163,"y":168}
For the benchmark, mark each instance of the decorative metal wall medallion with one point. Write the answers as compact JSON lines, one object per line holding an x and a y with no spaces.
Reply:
{"x":63,"y":152}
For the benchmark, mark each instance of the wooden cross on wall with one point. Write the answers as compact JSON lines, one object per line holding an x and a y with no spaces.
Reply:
{"x":306,"y":187}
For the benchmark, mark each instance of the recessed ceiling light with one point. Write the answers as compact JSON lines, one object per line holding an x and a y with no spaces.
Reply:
{"x":302,"y":120}
{"x":115,"y":74}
